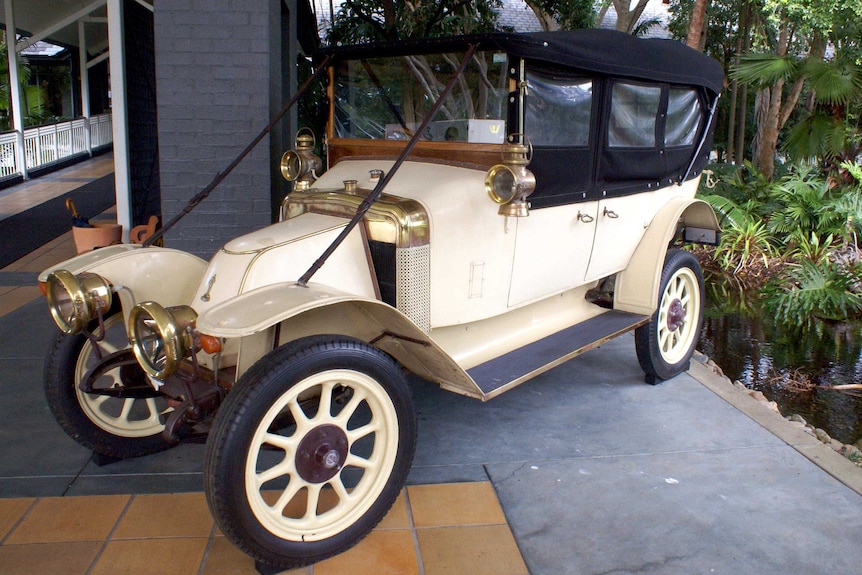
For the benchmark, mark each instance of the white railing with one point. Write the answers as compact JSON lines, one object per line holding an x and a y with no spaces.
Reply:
{"x":8,"y":158}
{"x":46,"y":145}
{"x":101,"y":131}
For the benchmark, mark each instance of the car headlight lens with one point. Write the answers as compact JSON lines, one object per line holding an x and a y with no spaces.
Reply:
{"x":75,"y":301}
{"x":501,"y":183}
{"x":510,"y":183}
{"x":161,"y":337}
{"x":292,"y":166}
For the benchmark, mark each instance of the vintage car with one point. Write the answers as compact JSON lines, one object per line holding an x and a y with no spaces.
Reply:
{"x":491,"y":206}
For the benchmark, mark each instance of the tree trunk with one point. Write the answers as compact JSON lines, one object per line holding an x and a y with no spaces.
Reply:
{"x":780,"y":109}
{"x":697,"y":25}
{"x":769,"y":128}
{"x":734,"y":98}
{"x":626,"y":16}
{"x":545,"y":20}
{"x":769,"y":131}
{"x":731,"y":123}
{"x":739,"y":148}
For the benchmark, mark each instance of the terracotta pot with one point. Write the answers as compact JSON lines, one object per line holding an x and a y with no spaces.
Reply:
{"x":99,"y":236}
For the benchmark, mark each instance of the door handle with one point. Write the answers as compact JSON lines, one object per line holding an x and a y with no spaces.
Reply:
{"x":586,"y":218}
{"x":610,"y":213}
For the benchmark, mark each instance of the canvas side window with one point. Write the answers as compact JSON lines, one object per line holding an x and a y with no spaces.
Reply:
{"x":683,"y":117}
{"x":558,"y":110}
{"x":634,"y":110}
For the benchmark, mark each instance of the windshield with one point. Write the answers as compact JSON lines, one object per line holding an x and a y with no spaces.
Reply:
{"x":388,"y":98}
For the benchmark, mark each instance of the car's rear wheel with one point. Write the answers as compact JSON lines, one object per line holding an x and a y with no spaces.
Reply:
{"x":665,"y":344}
{"x":310,"y":450}
{"x":121,"y":418}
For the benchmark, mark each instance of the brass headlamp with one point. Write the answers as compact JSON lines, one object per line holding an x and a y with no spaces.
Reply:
{"x":510,"y":183}
{"x":75,"y":301}
{"x":301,"y":164}
{"x":161,"y":337}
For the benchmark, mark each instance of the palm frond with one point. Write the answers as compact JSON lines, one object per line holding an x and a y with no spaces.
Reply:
{"x":763,"y":69}
{"x":729,"y":212}
{"x":834,"y":81}
{"x":814,"y":136}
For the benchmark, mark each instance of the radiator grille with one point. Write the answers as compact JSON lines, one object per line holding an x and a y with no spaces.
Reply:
{"x":413,"y":272}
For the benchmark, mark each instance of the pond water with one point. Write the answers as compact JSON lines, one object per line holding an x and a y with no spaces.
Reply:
{"x":793,"y":367}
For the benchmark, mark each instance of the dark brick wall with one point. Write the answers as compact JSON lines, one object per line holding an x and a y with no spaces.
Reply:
{"x":141,"y":112}
{"x":214,"y":62}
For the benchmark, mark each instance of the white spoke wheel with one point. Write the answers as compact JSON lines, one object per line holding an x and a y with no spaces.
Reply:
{"x":310,"y":450}
{"x":665,"y":344}
{"x":114,"y":426}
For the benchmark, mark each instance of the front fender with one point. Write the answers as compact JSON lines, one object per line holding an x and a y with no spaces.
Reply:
{"x":637,"y":286}
{"x":83,"y":262}
{"x":318,"y":309}
{"x":167,"y":276}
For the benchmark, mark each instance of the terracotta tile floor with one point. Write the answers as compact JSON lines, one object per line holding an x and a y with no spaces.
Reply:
{"x":445,"y":529}
{"x":432,"y":529}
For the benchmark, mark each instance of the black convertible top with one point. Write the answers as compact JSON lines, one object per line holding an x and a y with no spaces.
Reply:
{"x":606,"y":52}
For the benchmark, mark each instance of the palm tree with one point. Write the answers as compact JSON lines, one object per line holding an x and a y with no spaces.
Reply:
{"x":828,"y":130}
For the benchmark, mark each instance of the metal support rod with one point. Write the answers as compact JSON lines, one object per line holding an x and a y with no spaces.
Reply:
{"x":219,"y":178}
{"x":378,"y":189}
{"x":703,"y":138}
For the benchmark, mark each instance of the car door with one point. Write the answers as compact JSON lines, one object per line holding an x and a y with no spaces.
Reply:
{"x":552,"y":249}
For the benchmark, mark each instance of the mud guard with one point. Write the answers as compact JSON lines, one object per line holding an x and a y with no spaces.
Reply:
{"x":158,"y":274}
{"x":315,"y":309}
{"x":636,"y":289}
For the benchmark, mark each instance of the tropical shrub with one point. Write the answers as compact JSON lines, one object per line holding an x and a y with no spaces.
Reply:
{"x":809,"y":290}
{"x":795,"y":238}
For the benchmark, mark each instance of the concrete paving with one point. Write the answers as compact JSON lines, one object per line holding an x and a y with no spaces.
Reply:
{"x":596,"y":471}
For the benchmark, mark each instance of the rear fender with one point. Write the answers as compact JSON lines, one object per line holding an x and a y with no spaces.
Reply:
{"x":637,"y":286}
{"x":315,"y":309}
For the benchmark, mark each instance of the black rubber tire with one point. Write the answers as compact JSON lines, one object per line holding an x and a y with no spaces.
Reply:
{"x":665,"y":345}
{"x":99,"y":426}
{"x":258,"y":403}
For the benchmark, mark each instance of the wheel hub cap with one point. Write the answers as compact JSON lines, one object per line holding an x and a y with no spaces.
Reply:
{"x":321,"y":453}
{"x":675,"y":315}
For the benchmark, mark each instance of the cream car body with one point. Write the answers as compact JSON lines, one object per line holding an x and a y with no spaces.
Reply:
{"x":540,"y":214}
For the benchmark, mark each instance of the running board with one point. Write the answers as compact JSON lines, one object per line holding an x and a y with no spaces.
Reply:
{"x":505,"y":372}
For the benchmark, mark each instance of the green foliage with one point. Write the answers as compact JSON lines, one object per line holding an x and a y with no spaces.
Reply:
{"x":568,"y":14}
{"x":762,"y":70}
{"x":836,"y":81}
{"x":359,"y":21}
{"x":804,"y":229}
{"x":814,"y":135}
{"x":801,"y":198}
{"x":744,"y":245}
{"x":813,"y":291}
{"x":730,"y":214}
{"x":814,"y":249}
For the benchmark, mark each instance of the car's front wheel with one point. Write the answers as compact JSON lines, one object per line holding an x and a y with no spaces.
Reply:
{"x":310,"y":450}
{"x":665,"y":344}
{"x":121,"y":416}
